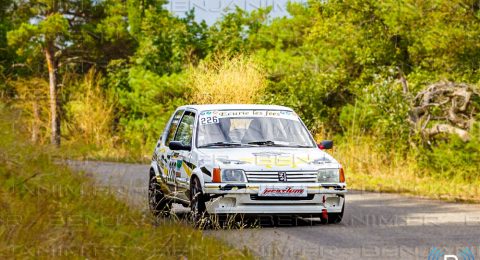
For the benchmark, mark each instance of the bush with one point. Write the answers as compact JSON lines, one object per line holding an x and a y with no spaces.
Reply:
{"x":89,"y":112}
{"x":224,"y":79}
{"x":453,"y":158}
{"x":144,"y":103}
{"x":380,"y":112}
{"x":293,"y":81}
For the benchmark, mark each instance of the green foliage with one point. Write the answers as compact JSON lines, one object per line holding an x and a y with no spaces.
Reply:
{"x":343,"y":46}
{"x":145,"y":102}
{"x":23,"y":35}
{"x":113,"y":26}
{"x":7,"y":54}
{"x":453,"y":158}
{"x":382,"y":112}
{"x":81,"y":33}
{"x":54,"y":25}
{"x":349,"y":68}
{"x":136,"y":13}
{"x":53,"y":28}
{"x":231,"y":34}
{"x":167,"y":43}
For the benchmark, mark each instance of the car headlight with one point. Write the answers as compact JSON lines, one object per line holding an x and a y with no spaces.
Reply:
{"x":233,"y":176}
{"x":329,"y":175}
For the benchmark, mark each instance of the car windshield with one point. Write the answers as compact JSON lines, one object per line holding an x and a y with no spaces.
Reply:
{"x":230,"y":128}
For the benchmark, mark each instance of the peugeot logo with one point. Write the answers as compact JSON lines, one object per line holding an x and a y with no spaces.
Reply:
{"x":282,"y":176}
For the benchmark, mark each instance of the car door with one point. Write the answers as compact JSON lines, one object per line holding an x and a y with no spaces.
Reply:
{"x":165,"y":154}
{"x":181,"y":168}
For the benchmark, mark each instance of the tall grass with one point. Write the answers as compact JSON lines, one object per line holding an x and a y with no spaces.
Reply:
{"x":48,"y":212}
{"x":224,"y":79}
{"x":371,"y":169}
{"x":32,"y":99}
{"x":88,"y":125}
{"x":89,"y":113}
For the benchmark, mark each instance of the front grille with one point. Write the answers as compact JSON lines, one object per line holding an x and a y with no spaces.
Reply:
{"x":256,"y":197}
{"x":264,"y":176}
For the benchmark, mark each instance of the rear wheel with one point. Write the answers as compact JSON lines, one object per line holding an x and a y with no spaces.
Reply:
{"x":157,"y":202}
{"x":197,"y":204}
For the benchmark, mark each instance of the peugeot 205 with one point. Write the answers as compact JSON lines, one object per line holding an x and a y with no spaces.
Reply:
{"x":244,"y":159}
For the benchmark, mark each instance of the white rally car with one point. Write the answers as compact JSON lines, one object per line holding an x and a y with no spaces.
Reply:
{"x":244,"y":159}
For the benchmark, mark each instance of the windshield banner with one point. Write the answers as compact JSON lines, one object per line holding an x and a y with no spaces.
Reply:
{"x":211,"y":117}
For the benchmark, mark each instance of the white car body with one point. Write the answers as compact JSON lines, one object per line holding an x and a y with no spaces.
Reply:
{"x":278,"y":180}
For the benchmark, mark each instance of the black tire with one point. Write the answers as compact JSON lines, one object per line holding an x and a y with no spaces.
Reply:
{"x":197,"y":204}
{"x":335,"y":218}
{"x":159,"y":205}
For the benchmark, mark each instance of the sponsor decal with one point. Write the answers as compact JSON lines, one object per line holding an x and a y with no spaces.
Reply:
{"x":179,"y":164}
{"x":289,"y":191}
{"x":211,"y":117}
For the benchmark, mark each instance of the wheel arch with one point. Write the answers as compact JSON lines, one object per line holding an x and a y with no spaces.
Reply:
{"x":199,"y":175}
{"x":154,"y":168}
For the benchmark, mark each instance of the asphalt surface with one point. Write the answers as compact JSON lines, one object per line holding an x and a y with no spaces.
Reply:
{"x":375,"y":225}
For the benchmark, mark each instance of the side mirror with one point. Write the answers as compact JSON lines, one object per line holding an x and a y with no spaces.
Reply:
{"x":325,"y":144}
{"x":177,"y":145}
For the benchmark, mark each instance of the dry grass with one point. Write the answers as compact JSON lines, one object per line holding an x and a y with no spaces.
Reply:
{"x":78,"y":150}
{"x":48,"y":212}
{"x":89,"y":113}
{"x":224,"y":80}
{"x":88,"y":126}
{"x":33,"y":100}
{"x":368,"y":169}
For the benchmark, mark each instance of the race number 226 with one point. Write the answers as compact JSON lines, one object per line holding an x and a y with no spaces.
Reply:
{"x":209,"y":120}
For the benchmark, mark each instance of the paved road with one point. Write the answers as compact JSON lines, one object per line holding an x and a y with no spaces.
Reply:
{"x":376,"y":225}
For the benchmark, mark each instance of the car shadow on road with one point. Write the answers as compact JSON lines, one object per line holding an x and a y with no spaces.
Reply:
{"x":366,"y":209}
{"x":244,"y":221}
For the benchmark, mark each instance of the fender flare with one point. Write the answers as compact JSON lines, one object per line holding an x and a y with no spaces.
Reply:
{"x":154,"y":166}
{"x":199,"y":174}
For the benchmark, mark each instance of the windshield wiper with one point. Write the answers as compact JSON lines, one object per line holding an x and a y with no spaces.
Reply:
{"x":301,"y":146}
{"x":267,"y":143}
{"x":272,"y":143}
{"x":220,"y":144}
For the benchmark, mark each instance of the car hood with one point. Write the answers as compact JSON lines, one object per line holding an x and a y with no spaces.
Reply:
{"x":267,"y":158}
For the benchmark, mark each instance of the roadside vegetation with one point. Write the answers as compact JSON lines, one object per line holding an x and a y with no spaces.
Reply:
{"x":394,"y":83}
{"x":48,"y":212}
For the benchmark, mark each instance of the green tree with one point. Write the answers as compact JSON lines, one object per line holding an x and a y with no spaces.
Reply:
{"x":7,"y":55}
{"x":68,"y":33}
{"x":231,"y":34}
{"x":136,"y":13}
{"x":168,"y":44}
{"x":50,"y":34}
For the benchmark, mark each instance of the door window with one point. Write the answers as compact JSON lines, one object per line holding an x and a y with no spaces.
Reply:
{"x":185,"y":129}
{"x":173,"y":126}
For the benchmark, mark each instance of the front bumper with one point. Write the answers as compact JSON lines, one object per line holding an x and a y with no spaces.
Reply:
{"x":244,"y":199}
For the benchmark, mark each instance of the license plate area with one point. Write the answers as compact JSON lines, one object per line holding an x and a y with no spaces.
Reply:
{"x":282,"y":191}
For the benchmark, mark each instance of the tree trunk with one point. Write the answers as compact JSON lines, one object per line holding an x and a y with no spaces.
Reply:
{"x":54,"y":106}
{"x":36,"y":120}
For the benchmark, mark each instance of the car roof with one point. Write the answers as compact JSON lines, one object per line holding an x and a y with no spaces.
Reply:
{"x":234,"y":106}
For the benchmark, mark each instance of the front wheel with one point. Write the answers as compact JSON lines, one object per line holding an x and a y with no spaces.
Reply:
{"x":157,"y":202}
{"x":197,"y":204}
{"x":335,"y":218}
